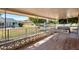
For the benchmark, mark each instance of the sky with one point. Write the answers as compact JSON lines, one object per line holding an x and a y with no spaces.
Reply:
{"x":16,"y":17}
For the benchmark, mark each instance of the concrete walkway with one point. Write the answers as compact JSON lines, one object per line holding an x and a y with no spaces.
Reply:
{"x":56,"y":42}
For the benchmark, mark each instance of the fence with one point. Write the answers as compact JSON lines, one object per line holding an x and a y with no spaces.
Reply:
{"x":24,"y":40}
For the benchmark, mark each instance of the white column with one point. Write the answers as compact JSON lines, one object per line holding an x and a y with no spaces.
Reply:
{"x":47,"y":20}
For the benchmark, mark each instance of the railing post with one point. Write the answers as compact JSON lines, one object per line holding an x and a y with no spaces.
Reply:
{"x":5,"y":25}
{"x":26,"y":31}
{"x":8,"y":34}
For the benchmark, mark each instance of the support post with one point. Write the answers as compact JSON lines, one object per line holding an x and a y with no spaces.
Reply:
{"x":5,"y":25}
{"x":78,"y":24}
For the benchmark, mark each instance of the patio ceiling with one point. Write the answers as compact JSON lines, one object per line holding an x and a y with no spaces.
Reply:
{"x":49,"y":13}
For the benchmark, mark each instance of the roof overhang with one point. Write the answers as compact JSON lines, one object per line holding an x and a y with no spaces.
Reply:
{"x":49,"y":13}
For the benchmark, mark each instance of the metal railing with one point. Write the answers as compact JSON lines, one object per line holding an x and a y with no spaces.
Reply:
{"x":24,"y":40}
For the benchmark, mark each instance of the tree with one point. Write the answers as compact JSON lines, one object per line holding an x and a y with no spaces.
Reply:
{"x":37,"y":20}
{"x":62,"y":21}
{"x":52,"y":22}
{"x":70,"y":20}
{"x":73,"y":20}
{"x":20,"y":24}
{"x":0,"y":14}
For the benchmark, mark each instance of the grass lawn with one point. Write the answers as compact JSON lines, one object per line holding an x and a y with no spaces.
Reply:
{"x":17,"y":32}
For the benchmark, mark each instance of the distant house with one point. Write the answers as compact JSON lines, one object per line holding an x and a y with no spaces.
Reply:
{"x":28,"y":23}
{"x":10,"y":22}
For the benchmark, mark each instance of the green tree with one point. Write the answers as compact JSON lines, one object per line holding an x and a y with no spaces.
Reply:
{"x":37,"y":20}
{"x":70,"y":20}
{"x":62,"y":21}
{"x":73,"y":20}
{"x":20,"y":24}
{"x":52,"y":22}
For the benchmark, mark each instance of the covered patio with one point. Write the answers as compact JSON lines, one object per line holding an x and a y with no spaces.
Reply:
{"x":52,"y":38}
